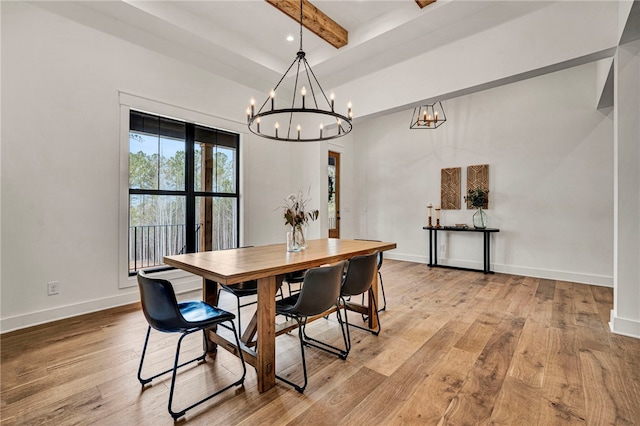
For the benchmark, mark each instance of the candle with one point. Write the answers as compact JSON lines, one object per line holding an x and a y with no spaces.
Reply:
{"x":299,"y":128}
{"x":258,"y":124}
{"x":303,"y":92}
{"x":272,"y":95}
{"x":425,"y":116}
{"x":332,"y":97}
{"x":253,"y":104}
{"x":349,"y":113}
{"x":438,"y":212}
{"x":339,"y":126}
{"x":248,"y":114}
{"x":429,"y":120}
{"x":321,"y":126}
{"x":277,"y":126}
{"x":435,"y":116}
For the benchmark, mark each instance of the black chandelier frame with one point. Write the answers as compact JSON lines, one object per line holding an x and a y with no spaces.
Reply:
{"x":337,"y":126}
{"x":430,"y":116}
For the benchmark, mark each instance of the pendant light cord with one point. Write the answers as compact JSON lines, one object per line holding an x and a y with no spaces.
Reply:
{"x":301,"y":25}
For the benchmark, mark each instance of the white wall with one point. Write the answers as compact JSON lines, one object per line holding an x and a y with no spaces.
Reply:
{"x":550,"y":156}
{"x":61,"y":145}
{"x":625,"y":316}
{"x":61,"y":155}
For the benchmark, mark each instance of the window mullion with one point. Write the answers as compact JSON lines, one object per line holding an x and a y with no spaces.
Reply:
{"x":189,"y":186}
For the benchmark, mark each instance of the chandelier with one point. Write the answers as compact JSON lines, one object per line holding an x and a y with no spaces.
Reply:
{"x":309,"y":117}
{"x":428,"y":116}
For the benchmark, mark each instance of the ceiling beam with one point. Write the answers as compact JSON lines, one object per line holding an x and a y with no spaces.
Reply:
{"x":424,"y":3}
{"x":314,"y":20}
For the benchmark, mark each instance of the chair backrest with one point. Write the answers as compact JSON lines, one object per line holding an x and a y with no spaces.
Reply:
{"x":379,"y":253}
{"x":320,"y":289}
{"x":360,"y":273}
{"x":159,"y":304}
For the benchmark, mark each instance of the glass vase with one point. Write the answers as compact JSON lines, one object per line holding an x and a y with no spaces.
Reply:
{"x":299,"y":237}
{"x":480,"y":219}
{"x":296,"y":240}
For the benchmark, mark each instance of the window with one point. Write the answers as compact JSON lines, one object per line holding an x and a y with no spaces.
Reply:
{"x":183,"y":189}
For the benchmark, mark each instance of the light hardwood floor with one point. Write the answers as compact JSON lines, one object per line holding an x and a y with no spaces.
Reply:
{"x":456,"y":348}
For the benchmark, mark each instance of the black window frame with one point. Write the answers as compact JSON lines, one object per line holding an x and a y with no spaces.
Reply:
{"x":189,"y":191}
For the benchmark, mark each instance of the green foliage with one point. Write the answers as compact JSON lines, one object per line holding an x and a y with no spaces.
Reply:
{"x":478,"y":197}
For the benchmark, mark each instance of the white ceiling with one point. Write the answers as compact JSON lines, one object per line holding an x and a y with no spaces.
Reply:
{"x":245,"y":40}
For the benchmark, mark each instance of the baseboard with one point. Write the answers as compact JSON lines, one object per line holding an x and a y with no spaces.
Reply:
{"x":193,"y":283}
{"x":31,"y":319}
{"x":624,"y":326}
{"x":575,"y":277}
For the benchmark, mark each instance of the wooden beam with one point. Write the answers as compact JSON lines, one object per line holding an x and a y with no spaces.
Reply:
{"x":314,"y":20}
{"x":424,"y":3}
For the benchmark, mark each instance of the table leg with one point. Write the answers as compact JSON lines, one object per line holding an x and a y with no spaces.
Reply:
{"x":487,"y":252}
{"x":435,"y":248}
{"x":266,"y":344}
{"x":430,"y":247}
{"x":210,"y":296}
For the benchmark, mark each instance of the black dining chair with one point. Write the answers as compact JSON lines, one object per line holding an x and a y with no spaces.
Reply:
{"x":165,"y":314}
{"x":319,"y":293}
{"x":358,"y":278}
{"x":239,"y":291}
{"x":294,"y":281}
{"x":380,"y":258}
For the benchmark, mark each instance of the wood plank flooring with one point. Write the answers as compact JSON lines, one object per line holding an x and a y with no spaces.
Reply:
{"x":456,"y":347}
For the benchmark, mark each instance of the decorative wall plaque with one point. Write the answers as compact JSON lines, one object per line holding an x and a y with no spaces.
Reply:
{"x":450,"y":188}
{"x":478,"y":177}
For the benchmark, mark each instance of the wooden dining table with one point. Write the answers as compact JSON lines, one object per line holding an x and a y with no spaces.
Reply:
{"x":268,"y":265}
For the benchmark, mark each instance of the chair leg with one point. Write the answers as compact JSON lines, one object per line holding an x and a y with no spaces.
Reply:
{"x":177,"y":414}
{"x":304,"y":361}
{"x":344,"y":325}
{"x":384,"y":297}
{"x":239,"y":319}
{"x":375,"y":309}
{"x":144,"y":381}
{"x":318,"y":344}
{"x":238,"y":307}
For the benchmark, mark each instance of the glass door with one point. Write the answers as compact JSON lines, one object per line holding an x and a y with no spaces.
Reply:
{"x":334,"y":194}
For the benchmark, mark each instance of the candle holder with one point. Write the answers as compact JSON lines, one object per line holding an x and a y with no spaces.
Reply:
{"x":438,"y":223}
{"x":429,"y":207}
{"x":438,"y":217}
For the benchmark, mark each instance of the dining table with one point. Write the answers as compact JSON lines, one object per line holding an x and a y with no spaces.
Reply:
{"x":268,"y":264}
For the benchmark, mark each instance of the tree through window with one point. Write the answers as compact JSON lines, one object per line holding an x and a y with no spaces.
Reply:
{"x":183,"y":189}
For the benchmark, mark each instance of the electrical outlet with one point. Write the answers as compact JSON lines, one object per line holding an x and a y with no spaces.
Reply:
{"x":52,"y":287}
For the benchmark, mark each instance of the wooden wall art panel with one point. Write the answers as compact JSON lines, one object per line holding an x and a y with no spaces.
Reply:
{"x":450,"y":188}
{"x":478,"y":177}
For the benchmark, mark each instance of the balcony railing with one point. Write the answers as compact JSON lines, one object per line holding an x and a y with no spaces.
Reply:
{"x":149,"y":244}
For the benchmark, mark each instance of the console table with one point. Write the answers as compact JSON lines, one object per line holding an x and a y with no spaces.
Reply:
{"x":433,"y":246}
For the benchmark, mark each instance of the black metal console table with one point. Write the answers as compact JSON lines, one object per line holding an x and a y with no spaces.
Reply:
{"x":433,"y":246}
